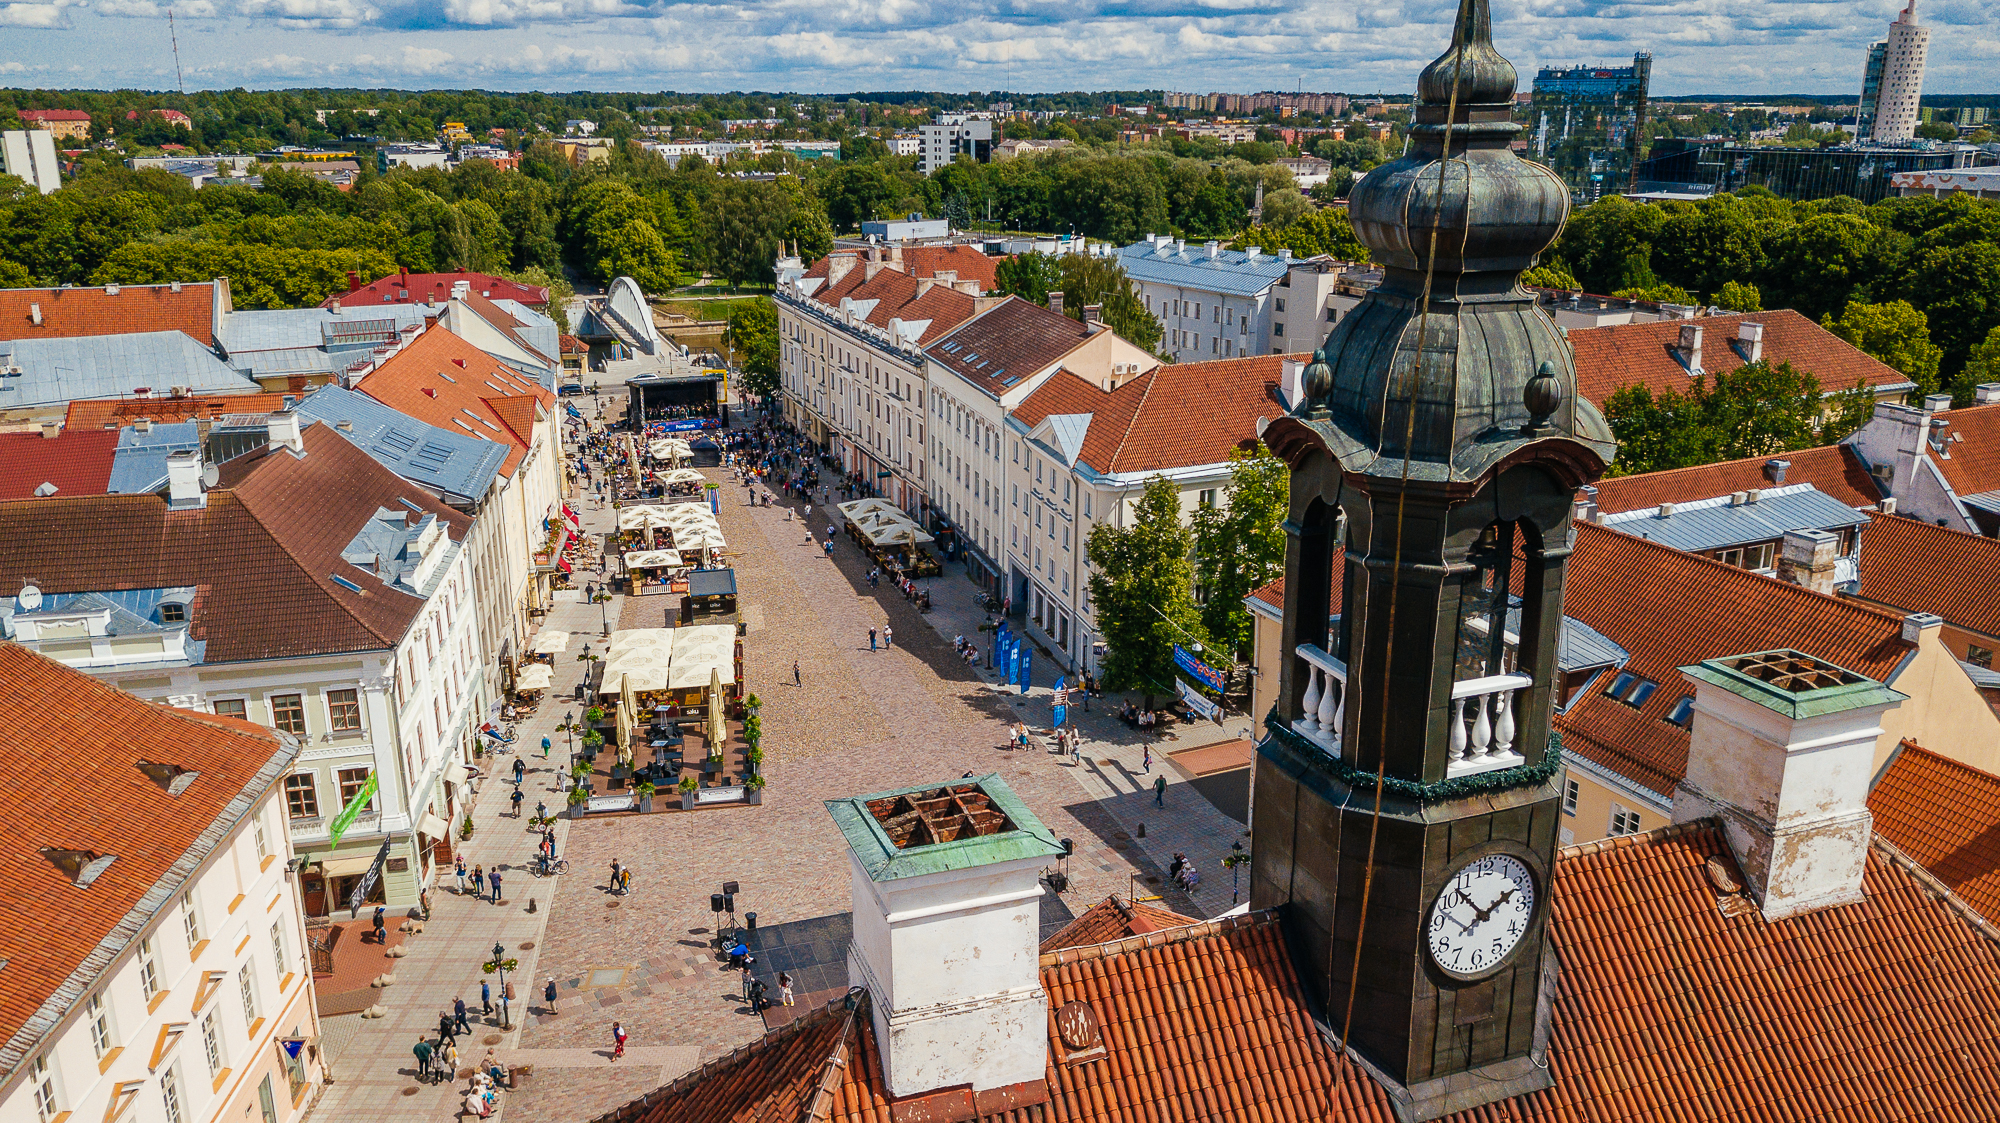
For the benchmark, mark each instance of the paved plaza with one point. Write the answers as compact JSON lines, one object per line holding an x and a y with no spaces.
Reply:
{"x":861,"y":721}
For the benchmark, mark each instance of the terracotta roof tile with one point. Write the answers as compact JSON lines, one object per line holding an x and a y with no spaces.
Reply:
{"x":1274,"y":593}
{"x":435,"y":288}
{"x":1112,"y":919}
{"x":1177,"y":415}
{"x":1608,"y":359}
{"x":1974,"y":466}
{"x":1916,"y":567}
{"x":261,"y":554}
{"x":70,"y":312}
{"x":78,"y":462}
{"x":1833,"y":469}
{"x":443,"y":380}
{"x":778,"y":1078}
{"x":1946,"y":817}
{"x":1671,"y":609}
{"x":899,"y":296}
{"x":49,"y":928}
{"x":53,"y":115}
{"x":107,"y":414}
{"x":1006,"y":343}
{"x":925,"y":261}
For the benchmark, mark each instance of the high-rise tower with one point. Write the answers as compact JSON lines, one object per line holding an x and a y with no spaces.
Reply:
{"x":1406,"y":795}
{"x":1894,"y":115}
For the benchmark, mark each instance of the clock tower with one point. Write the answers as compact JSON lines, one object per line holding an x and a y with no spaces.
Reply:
{"x":1407,"y":793}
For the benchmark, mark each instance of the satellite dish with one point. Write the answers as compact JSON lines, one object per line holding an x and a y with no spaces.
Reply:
{"x":29,"y":598}
{"x":209,"y":475}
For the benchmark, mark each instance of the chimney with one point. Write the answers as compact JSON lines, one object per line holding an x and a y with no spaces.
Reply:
{"x":837,"y":266}
{"x":461,"y":289}
{"x":1807,"y":559}
{"x":896,"y":255}
{"x":173,"y":286}
{"x":947,"y":911}
{"x":184,"y":490}
{"x":1986,"y":393}
{"x":1056,"y":302}
{"x":1750,"y":337}
{"x":334,"y":306}
{"x":1917,"y":623}
{"x":1252,"y":253}
{"x":1937,"y":403}
{"x":1689,"y":347}
{"x":344,"y":426}
{"x":1781,"y":750}
{"x":1774,"y":470}
{"x":1666,"y":511}
{"x":1214,"y":248}
{"x":1093,"y":313}
{"x":875,"y":265}
{"x":1586,"y":503}
{"x":1180,"y":245}
{"x":51,"y":429}
{"x":142,"y":425}
{"x":284,"y":431}
{"x":1291,"y":382}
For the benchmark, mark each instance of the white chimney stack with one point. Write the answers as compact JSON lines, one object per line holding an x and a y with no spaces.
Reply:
{"x":1781,"y":750}
{"x":1291,"y":381}
{"x":461,"y":289}
{"x":947,"y":919}
{"x":1937,"y":403}
{"x":1986,"y":393}
{"x":184,"y":488}
{"x":1689,"y":347}
{"x":1750,"y":336}
{"x":284,"y":431}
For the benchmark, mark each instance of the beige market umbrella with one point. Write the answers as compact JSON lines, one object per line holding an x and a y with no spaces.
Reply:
{"x":535,"y":676}
{"x":626,"y":707}
{"x":550,"y":642}
{"x":716,"y":730}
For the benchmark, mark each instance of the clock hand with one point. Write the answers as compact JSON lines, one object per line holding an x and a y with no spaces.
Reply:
{"x":1479,"y":915}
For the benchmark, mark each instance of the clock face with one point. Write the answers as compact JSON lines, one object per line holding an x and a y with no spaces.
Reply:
{"x":1480,"y":915}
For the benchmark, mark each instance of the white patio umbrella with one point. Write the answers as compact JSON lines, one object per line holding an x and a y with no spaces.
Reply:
{"x":550,"y":642}
{"x":535,"y":676}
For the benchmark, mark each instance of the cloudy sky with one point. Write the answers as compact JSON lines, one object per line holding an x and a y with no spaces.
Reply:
{"x":1699,"y":46}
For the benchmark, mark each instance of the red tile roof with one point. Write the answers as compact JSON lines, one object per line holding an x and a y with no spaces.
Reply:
{"x":118,"y":413}
{"x":72,"y":312}
{"x":571,"y":345}
{"x":1833,"y":469}
{"x":1112,"y":919}
{"x":1274,"y":594}
{"x":261,"y":554}
{"x":924,"y":261}
{"x":434,"y":288}
{"x":443,"y":380}
{"x":78,"y":462}
{"x":1916,"y":567}
{"x":1671,"y":609}
{"x":51,"y":932}
{"x":898,"y":296}
{"x":1177,"y":415}
{"x":1974,"y":466}
{"x":53,"y":115}
{"x":1667,"y":1008}
{"x":1608,"y":359}
{"x":1946,"y":817}
{"x":1006,"y":343}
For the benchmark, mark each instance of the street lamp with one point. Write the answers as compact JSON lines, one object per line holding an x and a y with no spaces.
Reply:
{"x":501,"y":963}
{"x":1234,"y":860}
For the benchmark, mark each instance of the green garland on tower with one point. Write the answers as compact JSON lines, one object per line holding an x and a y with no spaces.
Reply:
{"x":1456,"y":787}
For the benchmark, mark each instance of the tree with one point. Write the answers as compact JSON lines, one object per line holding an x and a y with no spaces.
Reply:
{"x":560,"y":292}
{"x":1936,"y":130}
{"x":1982,"y":365}
{"x":1325,"y":231}
{"x":1240,"y":547}
{"x":1551,"y":275}
{"x":1739,"y":296}
{"x":1658,"y":292}
{"x":1895,"y":333}
{"x":1087,"y":279}
{"x":1029,"y":276}
{"x":638,"y":252}
{"x":1142,"y":590}
{"x":1755,"y":410}
{"x":753,"y":328}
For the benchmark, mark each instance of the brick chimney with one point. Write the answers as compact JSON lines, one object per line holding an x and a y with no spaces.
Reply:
{"x":1807,"y":559}
{"x":1093,"y":313}
{"x":947,"y":914}
{"x":1781,"y":750}
{"x":353,"y":281}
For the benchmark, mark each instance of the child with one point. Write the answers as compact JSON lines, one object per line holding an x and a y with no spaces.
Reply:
{"x":785,"y":989}
{"x":617,"y":1041}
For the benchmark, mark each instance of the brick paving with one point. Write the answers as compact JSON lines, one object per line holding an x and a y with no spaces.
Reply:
{"x":862,"y":721}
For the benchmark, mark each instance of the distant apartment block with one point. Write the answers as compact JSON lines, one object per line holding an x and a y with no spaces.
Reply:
{"x":953,"y":135}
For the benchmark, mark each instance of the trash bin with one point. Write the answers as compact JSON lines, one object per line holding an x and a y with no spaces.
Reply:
{"x":750,"y":921}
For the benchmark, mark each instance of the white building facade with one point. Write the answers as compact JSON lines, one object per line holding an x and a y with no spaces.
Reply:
{"x":1902,"y":78}
{"x":953,"y":135}
{"x":1215,"y":303}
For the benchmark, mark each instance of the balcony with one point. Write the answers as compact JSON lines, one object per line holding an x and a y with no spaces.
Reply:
{"x":1482,"y":724}
{"x":1325,"y":703}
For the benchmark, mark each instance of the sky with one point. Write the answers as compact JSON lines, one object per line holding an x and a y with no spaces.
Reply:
{"x":825,"y":46}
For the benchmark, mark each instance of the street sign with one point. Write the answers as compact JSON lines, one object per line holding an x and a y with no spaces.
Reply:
{"x":346,"y":817}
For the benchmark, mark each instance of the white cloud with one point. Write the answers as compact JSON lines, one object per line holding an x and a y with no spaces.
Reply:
{"x":410,"y":59}
{"x":44,"y":15}
{"x":306,"y":14}
{"x":148,"y":9}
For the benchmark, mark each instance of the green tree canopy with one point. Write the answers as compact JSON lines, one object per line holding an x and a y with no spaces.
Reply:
{"x":1895,"y":333}
{"x":1240,"y":546}
{"x":1739,"y":296}
{"x":1755,"y":410}
{"x":1142,"y":590}
{"x":753,"y":328}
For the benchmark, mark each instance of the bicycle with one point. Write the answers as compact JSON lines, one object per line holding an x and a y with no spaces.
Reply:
{"x":551,"y":869}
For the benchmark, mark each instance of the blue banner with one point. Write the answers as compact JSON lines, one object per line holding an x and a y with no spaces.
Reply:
{"x":1203,"y":673}
{"x":998,"y":655}
{"x":1027,"y":665}
{"x":1013,"y":661}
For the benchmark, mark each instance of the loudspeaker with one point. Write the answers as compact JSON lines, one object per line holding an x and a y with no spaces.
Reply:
{"x":716,"y":901}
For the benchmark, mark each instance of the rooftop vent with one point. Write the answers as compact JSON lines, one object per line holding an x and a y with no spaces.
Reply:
{"x":45,"y":490}
{"x":172,"y":778}
{"x":1774,"y":470}
{"x":81,"y":866}
{"x":1791,"y":671}
{"x":1666,"y":510}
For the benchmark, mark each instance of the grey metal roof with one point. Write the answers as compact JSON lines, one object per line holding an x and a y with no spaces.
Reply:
{"x":281,"y":329}
{"x":451,"y":463}
{"x":539,"y":330}
{"x":1983,"y":500}
{"x":54,"y":371}
{"x":133,"y":612}
{"x":139,"y":465}
{"x":1710,"y":524}
{"x":1982,"y":677}
{"x":1232,"y":272}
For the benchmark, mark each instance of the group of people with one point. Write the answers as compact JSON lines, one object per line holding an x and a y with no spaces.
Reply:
{"x":481,"y":880}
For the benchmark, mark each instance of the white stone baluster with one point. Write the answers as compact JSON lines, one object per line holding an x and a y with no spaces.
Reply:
{"x":1309,"y":718}
{"x":1482,"y":730}
{"x":1331,"y":702}
{"x":1503,"y":726}
{"x":1457,"y":732}
{"x":1488,"y":743}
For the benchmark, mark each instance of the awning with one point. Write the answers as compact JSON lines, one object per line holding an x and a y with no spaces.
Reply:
{"x":455,"y":772}
{"x":537,"y":676}
{"x":346,"y":867}
{"x":432,"y":826}
{"x":652,"y":559}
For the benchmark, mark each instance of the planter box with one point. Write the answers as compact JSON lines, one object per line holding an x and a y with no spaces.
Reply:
{"x":687,"y":800}
{"x":753,"y":796}
{"x":645,"y":805}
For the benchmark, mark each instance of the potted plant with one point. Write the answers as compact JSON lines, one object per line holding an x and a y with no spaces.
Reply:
{"x":577,"y":799}
{"x":465,"y":828}
{"x":644,"y":790}
{"x":753,"y":790}
{"x":592,"y":741}
{"x":687,"y":787}
{"x":594,"y":715}
{"x":756,"y":758}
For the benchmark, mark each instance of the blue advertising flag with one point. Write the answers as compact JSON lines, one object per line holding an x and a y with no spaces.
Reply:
{"x":1014,"y":661}
{"x":1201,"y":672}
{"x":1027,"y":667}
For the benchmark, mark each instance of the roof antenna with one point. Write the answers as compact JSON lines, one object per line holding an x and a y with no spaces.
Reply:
{"x":175,"y":38}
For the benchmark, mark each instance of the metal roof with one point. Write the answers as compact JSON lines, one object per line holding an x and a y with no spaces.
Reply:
{"x":1232,"y":272}
{"x":140,"y":463}
{"x":454,"y":464}
{"x":283,"y":329}
{"x":1710,"y":524}
{"x":54,"y":371}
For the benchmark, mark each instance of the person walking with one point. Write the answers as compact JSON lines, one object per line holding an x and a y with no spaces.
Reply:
{"x":446,"y":1060}
{"x":618,"y":1036}
{"x":797,"y":680}
{"x":516,"y":798}
{"x":888,"y":637}
{"x":521,"y":770}
{"x":478,"y":881}
{"x":485,"y":998}
{"x":545,"y":747}
{"x":871,"y":639}
{"x":616,"y":869}
{"x":460,"y":870}
{"x":1160,"y":792}
{"x":549,"y":997}
{"x":494,"y":879}
{"x":423,"y":1052}
{"x":459,"y":1016}
{"x":447,"y":1032}
{"x":1148,"y":761}
{"x":785,"y":989}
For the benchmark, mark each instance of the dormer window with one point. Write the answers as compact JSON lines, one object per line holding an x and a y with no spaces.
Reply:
{"x":173,"y":613}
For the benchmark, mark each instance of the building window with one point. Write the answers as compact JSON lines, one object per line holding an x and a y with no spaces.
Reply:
{"x":288,"y":712}
{"x":259,"y":837}
{"x":1571,"y":789}
{"x":230,"y":707}
{"x":211,"y":1042}
{"x":343,"y":709}
{"x":302,"y":796}
{"x":190,"y":920}
{"x":278,"y":946}
{"x":1277,"y":329}
{"x":170,"y":1095}
{"x":99,"y":1020}
{"x":1623,"y":821}
{"x":172,"y":613}
{"x":1747,"y":557}
{"x":1208,"y":497}
{"x":1979,"y":656}
{"x":1281,"y":304}
{"x":1683,"y":711}
{"x":246,"y":988}
{"x":1631,"y":689}
{"x":43,"y":1081}
{"x":149,"y":970}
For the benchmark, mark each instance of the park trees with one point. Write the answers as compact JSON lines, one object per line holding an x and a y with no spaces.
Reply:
{"x":1755,"y":410}
{"x":1141,"y":590}
{"x":1240,"y":545}
{"x":753,"y":329}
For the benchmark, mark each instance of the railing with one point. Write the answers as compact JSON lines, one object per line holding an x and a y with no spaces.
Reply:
{"x":1482,"y":725}
{"x":1325,"y":703}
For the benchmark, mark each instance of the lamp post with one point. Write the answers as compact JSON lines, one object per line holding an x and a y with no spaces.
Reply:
{"x":1234,"y":860}
{"x":500,"y":963}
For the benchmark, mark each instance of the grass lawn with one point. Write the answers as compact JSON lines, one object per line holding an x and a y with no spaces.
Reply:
{"x":720,"y":309}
